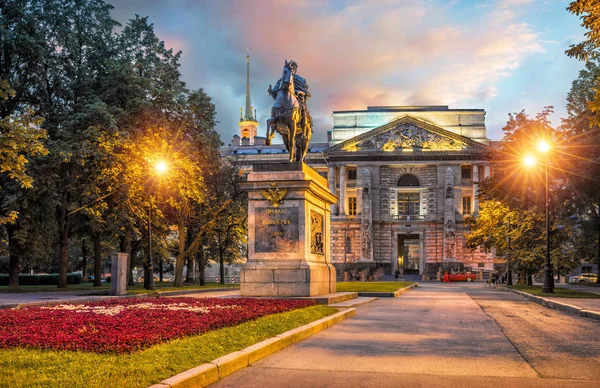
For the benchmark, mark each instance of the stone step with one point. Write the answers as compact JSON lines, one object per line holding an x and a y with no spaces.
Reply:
{"x":353,"y":302}
{"x":332,"y":298}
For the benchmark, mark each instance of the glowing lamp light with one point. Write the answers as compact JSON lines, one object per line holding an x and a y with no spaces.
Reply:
{"x":543,"y":146}
{"x":161,"y":167}
{"x":529,"y":160}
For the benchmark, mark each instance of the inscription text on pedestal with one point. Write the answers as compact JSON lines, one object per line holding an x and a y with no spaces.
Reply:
{"x":276,"y":229}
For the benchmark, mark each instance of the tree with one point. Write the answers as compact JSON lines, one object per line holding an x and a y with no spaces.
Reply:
{"x":515,"y":194}
{"x":580,"y":135}
{"x":589,"y":11}
{"x":228,"y":236}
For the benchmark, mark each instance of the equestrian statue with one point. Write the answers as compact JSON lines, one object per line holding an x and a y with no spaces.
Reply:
{"x":289,"y":114}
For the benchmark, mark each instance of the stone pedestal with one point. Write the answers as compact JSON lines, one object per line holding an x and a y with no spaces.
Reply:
{"x":288,"y":232}
{"x":118,"y":274}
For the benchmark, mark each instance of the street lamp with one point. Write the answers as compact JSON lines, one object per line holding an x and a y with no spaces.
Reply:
{"x":160,"y":168}
{"x":548,"y":286}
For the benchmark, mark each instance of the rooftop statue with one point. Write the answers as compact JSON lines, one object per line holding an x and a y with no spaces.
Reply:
{"x":289,"y":114}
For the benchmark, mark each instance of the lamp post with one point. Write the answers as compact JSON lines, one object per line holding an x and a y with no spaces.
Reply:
{"x":548,"y":286}
{"x":160,"y":168}
{"x":509,"y":281}
{"x":548,"y":275}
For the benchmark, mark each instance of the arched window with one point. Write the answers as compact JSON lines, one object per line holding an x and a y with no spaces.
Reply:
{"x":408,"y":180}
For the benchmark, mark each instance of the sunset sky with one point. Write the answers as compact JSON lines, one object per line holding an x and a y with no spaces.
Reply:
{"x":502,"y":56}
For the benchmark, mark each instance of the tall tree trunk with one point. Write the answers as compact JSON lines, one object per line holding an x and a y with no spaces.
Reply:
{"x":529,"y":279}
{"x":598,"y":255}
{"x":189,"y":277}
{"x":14,"y":265}
{"x":83,"y":259}
{"x":221,"y":263}
{"x":160,"y":269}
{"x":125,"y":247}
{"x":202,"y":264}
{"x":63,"y":243}
{"x":181,"y":256}
{"x":97,"y":260}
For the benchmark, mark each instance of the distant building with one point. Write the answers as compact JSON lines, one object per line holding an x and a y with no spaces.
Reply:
{"x":405,"y":176}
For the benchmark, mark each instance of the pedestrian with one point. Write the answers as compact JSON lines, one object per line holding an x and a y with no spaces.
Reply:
{"x":446,"y":278}
{"x":494,"y":278}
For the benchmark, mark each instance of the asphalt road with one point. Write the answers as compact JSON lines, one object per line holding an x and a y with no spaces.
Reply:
{"x":440,"y":335}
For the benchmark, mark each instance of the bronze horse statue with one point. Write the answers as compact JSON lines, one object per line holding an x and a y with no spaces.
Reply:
{"x":289,"y":114}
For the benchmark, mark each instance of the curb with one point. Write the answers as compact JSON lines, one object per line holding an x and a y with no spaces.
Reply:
{"x":97,"y":298}
{"x":206,"y":374}
{"x":559,"y":306}
{"x":394,"y":294}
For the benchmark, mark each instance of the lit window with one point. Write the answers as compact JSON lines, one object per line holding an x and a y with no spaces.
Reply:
{"x":351,"y":206}
{"x":352,"y":174}
{"x":408,"y":203}
{"x":466,"y":205}
{"x":466,"y":172}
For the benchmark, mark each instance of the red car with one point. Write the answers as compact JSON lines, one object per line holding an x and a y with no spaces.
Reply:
{"x":462,"y":277}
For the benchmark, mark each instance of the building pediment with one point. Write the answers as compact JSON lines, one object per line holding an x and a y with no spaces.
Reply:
{"x":407,"y":134}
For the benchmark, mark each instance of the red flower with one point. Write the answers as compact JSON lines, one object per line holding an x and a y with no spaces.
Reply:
{"x":129,"y":324}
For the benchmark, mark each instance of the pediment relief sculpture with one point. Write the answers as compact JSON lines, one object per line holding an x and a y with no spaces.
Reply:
{"x":406,"y":137}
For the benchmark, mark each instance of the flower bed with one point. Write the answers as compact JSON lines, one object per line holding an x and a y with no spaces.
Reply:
{"x":130,"y":324}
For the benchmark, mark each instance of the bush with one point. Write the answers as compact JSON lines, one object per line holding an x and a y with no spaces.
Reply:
{"x":41,"y":280}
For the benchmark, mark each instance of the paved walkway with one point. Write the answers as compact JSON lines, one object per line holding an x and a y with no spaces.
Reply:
{"x":439,"y":335}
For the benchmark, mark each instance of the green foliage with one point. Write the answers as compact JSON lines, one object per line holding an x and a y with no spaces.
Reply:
{"x":589,"y":12}
{"x":41,"y":280}
{"x":559,"y":292}
{"x":78,"y":369}
{"x":107,"y":104}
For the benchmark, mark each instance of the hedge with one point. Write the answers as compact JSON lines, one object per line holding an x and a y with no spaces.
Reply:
{"x":41,"y":280}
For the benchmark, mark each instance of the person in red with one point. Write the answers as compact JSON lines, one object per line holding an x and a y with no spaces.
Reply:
{"x":446,"y":278}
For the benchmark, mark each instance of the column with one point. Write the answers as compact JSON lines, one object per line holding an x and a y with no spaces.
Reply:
{"x":331,"y":179}
{"x":342,"y":200}
{"x":486,"y":171}
{"x":475,"y":189}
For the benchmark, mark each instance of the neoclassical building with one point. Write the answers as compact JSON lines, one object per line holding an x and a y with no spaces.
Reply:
{"x":405,"y":177}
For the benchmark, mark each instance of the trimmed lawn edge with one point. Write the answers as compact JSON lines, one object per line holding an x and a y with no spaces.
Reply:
{"x":206,"y":374}
{"x":559,"y":306}
{"x":394,"y":294}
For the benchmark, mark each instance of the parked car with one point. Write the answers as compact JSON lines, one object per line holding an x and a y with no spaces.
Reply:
{"x":462,"y":277}
{"x":584,"y":278}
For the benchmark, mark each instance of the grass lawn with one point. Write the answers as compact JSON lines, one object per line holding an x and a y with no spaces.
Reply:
{"x":371,"y":286}
{"x":559,"y":292}
{"x":138,"y":289}
{"x":28,"y":367}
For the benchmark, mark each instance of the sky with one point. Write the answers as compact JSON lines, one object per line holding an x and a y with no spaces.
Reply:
{"x":502,"y":56}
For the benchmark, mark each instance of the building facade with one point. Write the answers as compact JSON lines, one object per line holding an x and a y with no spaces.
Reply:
{"x":405,"y":177}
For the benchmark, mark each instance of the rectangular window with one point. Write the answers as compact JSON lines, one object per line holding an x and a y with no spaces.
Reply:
{"x":352,"y":174}
{"x":351,"y":206}
{"x":323,"y":174}
{"x":466,"y":205}
{"x":466,"y":172}
{"x":586,"y":269}
{"x":408,"y":203}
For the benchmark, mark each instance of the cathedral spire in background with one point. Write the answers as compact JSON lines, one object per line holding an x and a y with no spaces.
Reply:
{"x":248,"y":115}
{"x":248,"y":124}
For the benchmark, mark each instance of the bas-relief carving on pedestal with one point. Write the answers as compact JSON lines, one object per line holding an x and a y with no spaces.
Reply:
{"x":316,"y":233}
{"x":449,"y":216}
{"x":407,"y":137}
{"x":366,"y":236}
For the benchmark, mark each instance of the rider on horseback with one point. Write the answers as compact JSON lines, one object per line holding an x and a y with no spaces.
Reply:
{"x":289,"y":115}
